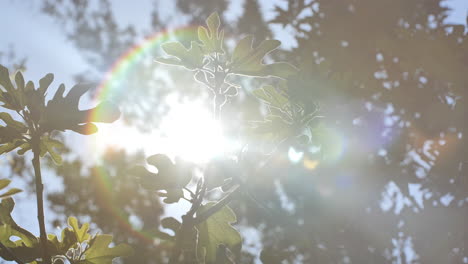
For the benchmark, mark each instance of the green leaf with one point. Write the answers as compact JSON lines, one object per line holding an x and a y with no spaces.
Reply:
{"x":211,"y":38}
{"x":10,"y":193}
{"x":19,"y":79}
{"x":272,"y":96}
{"x":247,"y":60}
{"x":217,"y":230}
{"x":24,"y":148}
{"x":18,"y":126}
{"x":35,"y":99}
{"x":12,"y":98}
{"x":5,"y":80}
{"x":50,"y":146}
{"x":80,"y":233}
{"x":9,"y":146}
{"x":45,"y":82}
{"x":62,"y":113}
{"x":192,"y":58}
{"x":27,"y":246}
{"x":7,"y":231}
{"x":60,"y":247}
{"x":100,"y":253}
{"x":170,"y":177}
{"x":4,"y":183}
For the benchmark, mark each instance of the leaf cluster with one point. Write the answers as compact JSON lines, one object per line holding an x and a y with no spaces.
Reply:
{"x":35,"y":117}
{"x":76,"y":245}
{"x":212,"y":63}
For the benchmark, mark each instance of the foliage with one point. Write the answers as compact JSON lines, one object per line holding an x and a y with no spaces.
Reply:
{"x":206,"y":228}
{"x":217,"y":240}
{"x":216,"y":232}
{"x":171,"y":178}
{"x":213,"y":65}
{"x":371,"y":68}
{"x":75,"y":246}
{"x":33,"y":132}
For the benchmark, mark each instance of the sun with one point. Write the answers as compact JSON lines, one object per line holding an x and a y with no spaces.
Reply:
{"x":191,"y":132}
{"x":188,"y":131}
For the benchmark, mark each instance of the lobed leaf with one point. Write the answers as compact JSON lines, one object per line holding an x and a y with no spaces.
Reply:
{"x":170,"y":177}
{"x":217,"y":230}
{"x":62,"y":112}
{"x":247,"y":60}
{"x":81,"y":233}
{"x":3,"y":184}
{"x":211,"y":37}
{"x":27,"y":246}
{"x":50,"y":145}
{"x":100,"y":253}
{"x":192,"y":58}
{"x":11,"y":98}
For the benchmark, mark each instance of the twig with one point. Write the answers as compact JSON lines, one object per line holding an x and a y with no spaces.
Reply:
{"x":187,"y":222}
{"x":35,"y":144}
{"x":192,"y":194}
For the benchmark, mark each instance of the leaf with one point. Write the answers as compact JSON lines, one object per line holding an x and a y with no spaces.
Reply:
{"x":247,"y":60}
{"x":100,"y":253}
{"x":80,"y":233}
{"x":217,"y":230}
{"x":192,"y":58}
{"x":50,"y":145}
{"x":9,"y":146}
{"x":70,"y":236}
{"x":19,"y":79}
{"x":242,"y":49}
{"x":5,"y":79}
{"x":24,"y":148}
{"x":3,"y":184}
{"x":170,"y":177}
{"x":45,"y":82}
{"x":211,"y":38}
{"x":10,"y":193}
{"x":10,"y":136}
{"x":7,"y":231}
{"x":272,"y":96}
{"x":18,"y":126}
{"x":62,"y":113}
{"x":26,"y":246}
{"x":12,"y":98}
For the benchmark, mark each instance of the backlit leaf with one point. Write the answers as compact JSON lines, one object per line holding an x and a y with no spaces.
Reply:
{"x":192,"y":58}
{"x":247,"y":60}
{"x":100,"y":253}
{"x":211,"y":37}
{"x":170,"y":177}
{"x":217,"y":230}
{"x":62,"y":112}
{"x":81,"y":233}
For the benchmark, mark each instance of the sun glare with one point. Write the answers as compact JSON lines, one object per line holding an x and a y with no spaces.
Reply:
{"x":188,"y":131}
{"x":191,"y":133}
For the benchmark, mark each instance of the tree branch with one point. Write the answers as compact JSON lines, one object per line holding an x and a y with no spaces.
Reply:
{"x":36,"y":149}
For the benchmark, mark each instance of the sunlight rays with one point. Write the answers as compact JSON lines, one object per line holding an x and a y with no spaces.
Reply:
{"x":188,"y":131}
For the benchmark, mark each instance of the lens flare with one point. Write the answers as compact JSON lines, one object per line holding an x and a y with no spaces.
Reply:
{"x":111,"y":87}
